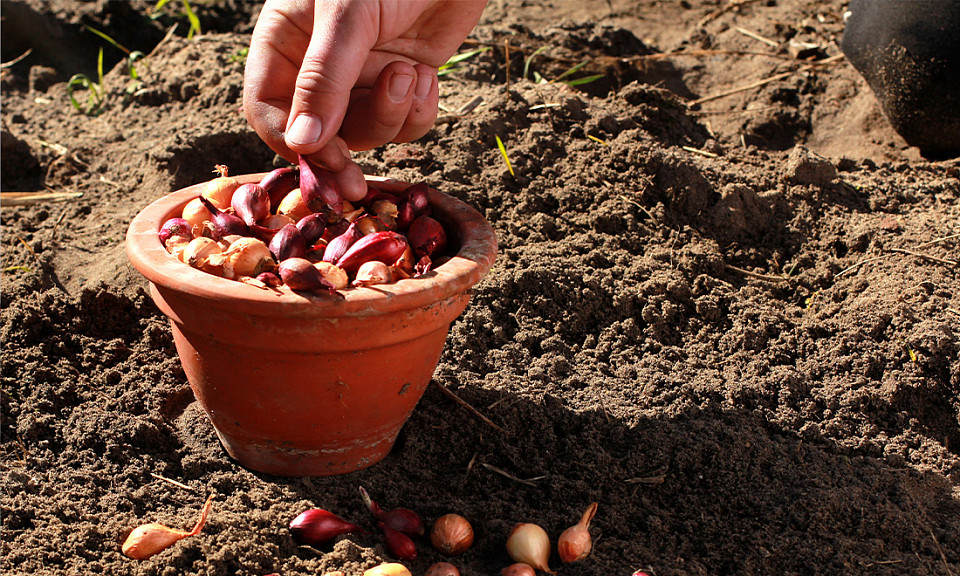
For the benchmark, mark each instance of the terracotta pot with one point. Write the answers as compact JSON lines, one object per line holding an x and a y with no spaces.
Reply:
{"x":310,"y":384}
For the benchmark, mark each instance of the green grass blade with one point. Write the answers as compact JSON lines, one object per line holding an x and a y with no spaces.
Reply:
{"x":584,"y":80}
{"x":192,"y":17}
{"x":450,"y":65}
{"x":529,"y":60}
{"x":570,"y":71}
{"x":113,"y":42}
{"x":76,"y":82}
{"x":457,"y":58}
{"x":503,"y":152}
{"x":100,"y":69}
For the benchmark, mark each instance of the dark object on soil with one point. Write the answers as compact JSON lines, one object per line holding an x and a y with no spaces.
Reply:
{"x":909,"y":53}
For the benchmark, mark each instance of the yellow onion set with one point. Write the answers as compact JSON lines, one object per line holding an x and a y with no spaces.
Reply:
{"x":294,"y":229}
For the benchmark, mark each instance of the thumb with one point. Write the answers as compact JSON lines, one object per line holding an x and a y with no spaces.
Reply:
{"x":339,"y":45}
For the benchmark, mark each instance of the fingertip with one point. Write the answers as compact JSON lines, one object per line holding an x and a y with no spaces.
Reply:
{"x":353,"y":185}
{"x":303,"y":133}
{"x":426,"y":79}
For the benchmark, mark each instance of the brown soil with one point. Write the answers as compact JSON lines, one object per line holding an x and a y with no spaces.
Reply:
{"x":735,"y":325}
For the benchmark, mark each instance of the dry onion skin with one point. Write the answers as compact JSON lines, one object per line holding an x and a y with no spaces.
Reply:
{"x":149,"y":539}
{"x":352,"y":246}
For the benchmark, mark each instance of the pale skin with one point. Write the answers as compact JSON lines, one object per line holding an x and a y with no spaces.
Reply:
{"x":329,"y":76}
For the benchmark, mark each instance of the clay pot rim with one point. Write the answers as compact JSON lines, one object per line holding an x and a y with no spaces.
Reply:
{"x":478,"y":249}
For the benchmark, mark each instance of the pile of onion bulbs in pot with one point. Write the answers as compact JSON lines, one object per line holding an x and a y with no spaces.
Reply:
{"x":294,"y":229}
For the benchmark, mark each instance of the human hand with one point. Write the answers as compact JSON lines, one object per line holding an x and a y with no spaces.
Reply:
{"x":327,"y":76}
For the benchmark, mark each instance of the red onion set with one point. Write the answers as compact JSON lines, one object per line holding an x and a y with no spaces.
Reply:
{"x":296,"y":230}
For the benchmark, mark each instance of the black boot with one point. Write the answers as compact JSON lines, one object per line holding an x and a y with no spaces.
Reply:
{"x":908,"y":51}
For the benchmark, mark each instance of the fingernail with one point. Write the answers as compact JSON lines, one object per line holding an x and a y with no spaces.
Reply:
{"x":306,"y":129}
{"x":424,"y":82}
{"x":399,"y":85}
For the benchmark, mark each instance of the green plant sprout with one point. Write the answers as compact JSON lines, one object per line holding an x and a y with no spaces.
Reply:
{"x":94,"y":89}
{"x":538,"y":79}
{"x":577,"y":81}
{"x":240,"y":56}
{"x":132,"y":57}
{"x":187,"y":11}
{"x":503,"y":152}
{"x":451,"y":64}
{"x":529,"y":60}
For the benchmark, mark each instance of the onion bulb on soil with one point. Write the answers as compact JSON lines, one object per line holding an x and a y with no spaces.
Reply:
{"x":149,"y":539}
{"x":528,"y":543}
{"x":451,"y":534}
{"x":518,"y":569}
{"x":388,"y":569}
{"x":316,"y":527}
{"x":402,"y":519}
{"x":442,"y":569}
{"x":575,"y":542}
{"x":398,"y":543}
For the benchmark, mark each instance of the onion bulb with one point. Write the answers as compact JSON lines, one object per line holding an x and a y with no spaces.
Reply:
{"x":401,"y":519}
{"x":372,"y":273}
{"x":293,"y":206}
{"x":518,"y":569}
{"x":529,"y":543}
{"x":333,"y":274}
{"x":452,"y":534}
{"x":388,"y":569}
{"x":203,"y":253}
{"x":398,"y":543}
{"x":219,"y":191}
{"x":149,"y":539}
{"x":575,"y":542}
{"x":300,"y":274}
{"x":251,"y":203}
{"x":386,"y":212}
{"x":196,"y":214}
{"x":442,"y":569}
{"x":247,"y":256}
{"x":316,"y":527}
